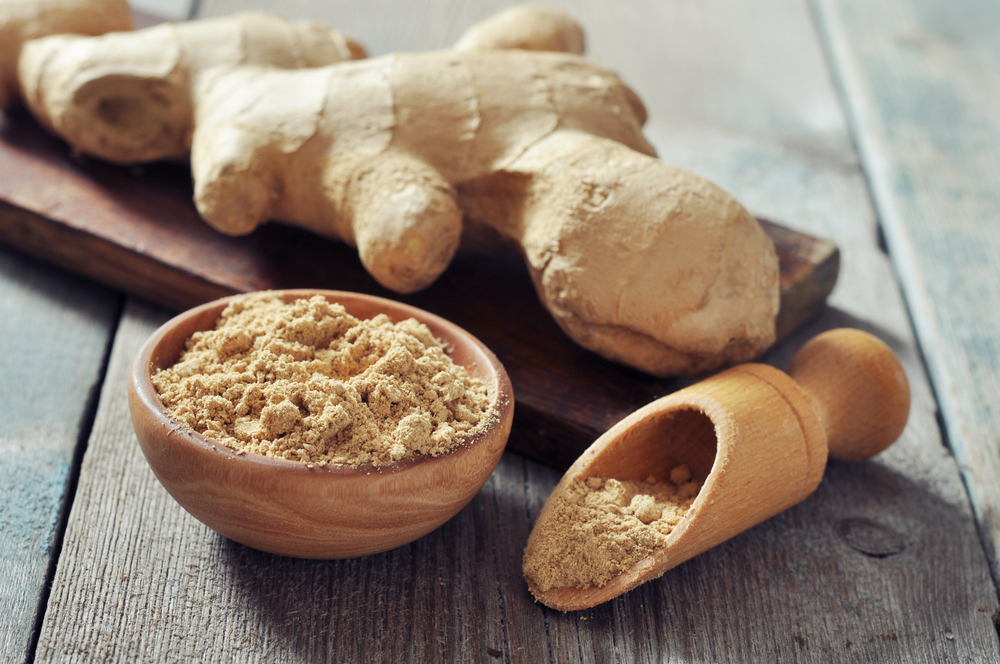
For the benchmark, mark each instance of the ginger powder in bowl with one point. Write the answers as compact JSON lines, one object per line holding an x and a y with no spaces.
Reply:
{"x":319,"y":424}
{"x":307,"y":381}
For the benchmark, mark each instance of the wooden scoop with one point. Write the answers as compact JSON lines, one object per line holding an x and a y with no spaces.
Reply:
{"x":757,"y":438}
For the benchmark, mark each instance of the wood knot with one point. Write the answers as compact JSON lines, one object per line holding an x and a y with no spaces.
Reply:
{"x":870,"y":538}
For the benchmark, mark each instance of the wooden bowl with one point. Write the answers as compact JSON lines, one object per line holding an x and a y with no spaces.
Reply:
{"x":283,"y":506}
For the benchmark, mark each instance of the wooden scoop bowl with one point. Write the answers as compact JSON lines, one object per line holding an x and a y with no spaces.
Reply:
{"x":757,"y":439}
{"x":287,"y":508}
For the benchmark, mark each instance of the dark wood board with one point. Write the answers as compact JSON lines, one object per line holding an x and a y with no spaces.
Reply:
{"x":136,"y":229}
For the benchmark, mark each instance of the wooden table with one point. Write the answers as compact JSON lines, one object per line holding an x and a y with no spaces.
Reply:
{"x":876,"y":125}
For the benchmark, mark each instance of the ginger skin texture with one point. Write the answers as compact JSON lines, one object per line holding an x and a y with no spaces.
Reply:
{"x":639,"y":261}
{"x":126,"y":97}
{"x":527,"y":27}
{"x":21,"y":20}
{"x":642,"y":262}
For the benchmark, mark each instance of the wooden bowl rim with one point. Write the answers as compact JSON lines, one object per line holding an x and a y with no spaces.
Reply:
{"x":501,"y":402}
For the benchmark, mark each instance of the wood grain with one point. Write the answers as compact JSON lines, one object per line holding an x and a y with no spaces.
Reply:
{"x":859,"y":390}
{"x":54,"y":331}
{"x":881,"y":563}
{"x":137,"y":230}
{"x":929,"y":135}
{"x":754,"y":438}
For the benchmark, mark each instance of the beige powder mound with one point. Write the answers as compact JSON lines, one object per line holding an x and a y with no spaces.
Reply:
{"x":307,"y":381}
{"x":598,"y":528}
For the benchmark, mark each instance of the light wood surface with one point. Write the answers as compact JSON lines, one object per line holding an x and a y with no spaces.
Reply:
{"x":921,"y":81}
{"x":54,"y":331}
{"x":755,"y":439}
{"x":859,"y":390}
{"x":882,"y":562}
{"x":882,"y":555}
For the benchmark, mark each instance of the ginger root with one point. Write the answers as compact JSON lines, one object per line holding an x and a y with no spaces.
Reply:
{"x":637,"y":260}
{"x":126,"y":97}
{"x":642,"y":262}
{"x":21,"y":20}
{"x":526,"y":27}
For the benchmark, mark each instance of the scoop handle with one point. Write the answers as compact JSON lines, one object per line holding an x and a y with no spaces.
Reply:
{"x":859,"y":389}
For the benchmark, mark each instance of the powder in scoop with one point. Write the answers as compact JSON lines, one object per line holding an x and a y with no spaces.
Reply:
{"x":306,"y":381}
{"x":596,"y":528}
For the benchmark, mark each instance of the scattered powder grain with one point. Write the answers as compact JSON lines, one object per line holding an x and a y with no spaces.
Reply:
{"x":307,"y":381}
{"x":597,"y":528}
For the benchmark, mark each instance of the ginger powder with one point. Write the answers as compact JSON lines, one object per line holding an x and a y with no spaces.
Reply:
{"x":598,"y":528}
{"x":306,"y":381}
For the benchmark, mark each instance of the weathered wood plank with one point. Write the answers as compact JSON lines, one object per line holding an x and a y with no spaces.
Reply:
{"x":140,"y":580}
{"x":881,"y":564}
{"x":921,"y":79}
{"x":54,"y":330}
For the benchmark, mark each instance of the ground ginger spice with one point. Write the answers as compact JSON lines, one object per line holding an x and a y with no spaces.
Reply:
{"x":598,"y":528}
{"x":306,"y":381}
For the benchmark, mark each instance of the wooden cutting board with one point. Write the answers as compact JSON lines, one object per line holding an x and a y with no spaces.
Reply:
{"x":136,"y":229}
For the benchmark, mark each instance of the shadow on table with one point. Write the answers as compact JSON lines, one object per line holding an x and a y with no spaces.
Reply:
{"x":873,"y":566}
{"x":830,"y":318}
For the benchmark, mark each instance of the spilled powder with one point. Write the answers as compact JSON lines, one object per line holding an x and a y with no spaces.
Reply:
{"x":597,"y":528}
{"x":306,"y":381}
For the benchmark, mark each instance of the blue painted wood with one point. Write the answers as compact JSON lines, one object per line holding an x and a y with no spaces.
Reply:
{"x":921,"y":79}
{"x":54,"y":329}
